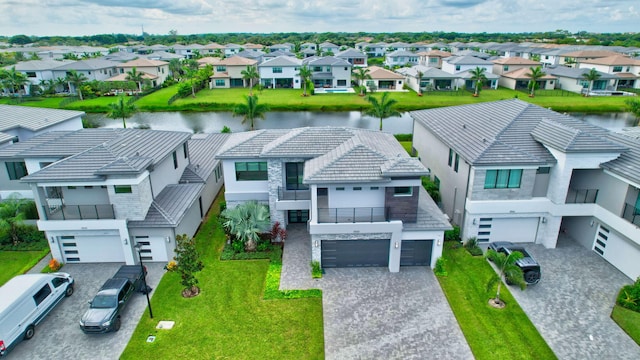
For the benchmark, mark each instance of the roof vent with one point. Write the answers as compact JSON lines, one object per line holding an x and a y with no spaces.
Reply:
{"x":464,"y":126}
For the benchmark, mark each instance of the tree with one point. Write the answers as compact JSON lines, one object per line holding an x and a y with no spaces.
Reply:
{"x":479,"y":77}
{"x":246,"y":222}
{"x":507,"y":271}
{"x":250,"y":73}
{"x":305,"y":76}
{"x":633,"y":105}
{"x":136,"y":77}
{"x":121,"y":109}
{"x":13,"y":80}
{"x":251,"y":110}
{"x":11,"y":216}
{"x":591,"y":76}
{"x":382,"y":109}
{"x":361,"y":74}
{"x":175,"y":68}
{"x":419,"y":75}
{"x":76,"y":79}
{"x":535,"y":74}
{"x":188,"y":264}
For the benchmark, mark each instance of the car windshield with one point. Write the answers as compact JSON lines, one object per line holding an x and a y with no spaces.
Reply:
{"x":103,"y":302}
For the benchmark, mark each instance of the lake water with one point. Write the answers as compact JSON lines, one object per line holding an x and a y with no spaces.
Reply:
{"x":210,"y":122}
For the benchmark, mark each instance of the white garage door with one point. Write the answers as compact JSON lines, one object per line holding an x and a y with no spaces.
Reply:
{"x":618,"y":250}
{"x":89,"y":249}
{"x":508,"y":229}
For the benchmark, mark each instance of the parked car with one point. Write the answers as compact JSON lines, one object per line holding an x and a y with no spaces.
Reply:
{"x":25,"y":301}
{"x":529,"y":265}
{"x":104,"y":313}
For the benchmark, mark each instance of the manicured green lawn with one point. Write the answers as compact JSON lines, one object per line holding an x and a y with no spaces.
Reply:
{"x":229,"y":319}
{"x":628,"y":320}
{"x":491,"y":333}
{"x":18,"y":262}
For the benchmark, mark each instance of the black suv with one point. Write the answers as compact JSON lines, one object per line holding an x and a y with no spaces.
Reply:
{"x":529,"y":265}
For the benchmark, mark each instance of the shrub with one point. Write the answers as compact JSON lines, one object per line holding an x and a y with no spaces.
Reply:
{"x":54,"y":265}
{"x":432,"y":189}
{"x":452,"y":235}
{"x":223,"y":206}
{"x":237,"y":246}
{"x":439,"y":269}
{"x":225,"y":130}
{"x":263,"y":246}
{"x":471,"y":245}
{"x":316,"y":270}
{"x":171,"y":266}
{"x":629,"y":296}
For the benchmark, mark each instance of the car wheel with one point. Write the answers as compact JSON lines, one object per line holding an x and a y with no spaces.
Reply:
{"x":116,"y":324}
{"x":28,"y":334}
{"x":69,"y":291}
{"x":532,"y":277}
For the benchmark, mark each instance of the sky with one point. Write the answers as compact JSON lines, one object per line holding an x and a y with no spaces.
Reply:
{"x":90,"y":17}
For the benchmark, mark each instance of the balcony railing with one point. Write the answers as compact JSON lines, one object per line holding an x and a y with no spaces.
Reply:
{"x":631,"y":213}
{"x":582,"y":196}
{"x":284,"y":194}
{"x":79,"y":212}
{"x":363,"y":214}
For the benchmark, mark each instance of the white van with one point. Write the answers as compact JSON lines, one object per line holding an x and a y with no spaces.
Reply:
{"x":24,"y":302}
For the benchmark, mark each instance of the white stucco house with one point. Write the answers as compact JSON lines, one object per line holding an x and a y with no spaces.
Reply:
{"x":358,"y":192}
{"x":280,"y":72}
{"x":513,"y":171}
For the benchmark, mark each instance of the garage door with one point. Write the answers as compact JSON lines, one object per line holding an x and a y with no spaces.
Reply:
{"x":88,"y":249}
{"x":352,"y":253}
{"x":416,"y":253}
{"x":152,"y":248}
{"x":512,"y":229}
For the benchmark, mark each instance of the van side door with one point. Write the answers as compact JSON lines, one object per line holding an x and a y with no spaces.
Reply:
{"x":43,"y":300}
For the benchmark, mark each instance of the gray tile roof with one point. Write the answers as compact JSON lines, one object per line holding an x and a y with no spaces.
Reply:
{"x":573,"y":73}
{"x":4,"y":137}
{"x":326,"y":60}
{"x":58,"y":143}
{"x":468,"y":75}
{"x":467,"y":60}
{"x":430,"y":217}
{"x":307,"y":142}
{"x":627,"y":165}
{"x":570,"y":140}
{"x":89,"y":64}
{"x":282,"y":61}
{"x":38,"y":65}
{"x":202,"y":151}
{"x":170,"y":206}
{"x":427,"y":72}
{"x":350,"y":53}
{"x":401,"y":53}
{"x":403,"y":166}
{"x":130,"y":151}
{"x":248,"y":144}
{"x":32,"y":118}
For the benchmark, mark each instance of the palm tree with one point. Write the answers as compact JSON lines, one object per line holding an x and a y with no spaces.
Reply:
{"x":11,"y":216}
{"x":246,"y":222}
{"x":175,"y":68}
{"x":305,"y":75}
{"x":121,"y":109}
{"x":535,"y":74}
{"x":75,"y":79}
{"x":591,"y":76}
{"x":62,"y":82}
{"x":479,"y":77}
{"x":13,"y":81}
{"x":507,"y":270}
{"x":251,"y":110}
{"x":135,"y":76}
{"x":419,"y":75}
{"x":382,"y":109}
{"x":250,"y":73}
{"x":361,"y":74}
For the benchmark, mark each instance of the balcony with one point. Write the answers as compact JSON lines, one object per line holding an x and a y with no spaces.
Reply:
{"x":362,"y":215}
{"x":284,"y":194}
{"x":79,"y":212}
{"x":631,"y":213}
{"x":582,"y":196}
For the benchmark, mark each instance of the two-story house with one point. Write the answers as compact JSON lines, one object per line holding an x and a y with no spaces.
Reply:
{"x":432,"y":58}
{"x":354,"y":57}
{"x":423,"y":78}
{"x":463,"y":65}
{"x":329,"y":71}
{"x":513,"y":73}
{"x":99,"y":192}
{"x":574,"y":80}
{"x":401,"y":58}
{"x":92,"y":69}
{"x":37,"y":70}
{"x":513,"y":171}
{"x":157,"y":71}
{"x":358,"y":191}
{"x":280,"y":72}
{"x":625,"y":68}
{"x":227,"y":73}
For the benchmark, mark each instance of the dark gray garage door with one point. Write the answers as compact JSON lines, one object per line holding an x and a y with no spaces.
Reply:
{"x":416,"y":253}
{"x":351,"y":253}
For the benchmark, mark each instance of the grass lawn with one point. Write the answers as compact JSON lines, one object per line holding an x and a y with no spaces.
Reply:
{"x":407,"y":145}
{"x":18,"y":262}
{"x":491,"y":333}
{"x":229,"y":319}
{"x":628,"y":320}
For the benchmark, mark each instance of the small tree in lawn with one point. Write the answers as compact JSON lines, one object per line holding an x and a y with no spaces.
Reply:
{"x":188,"y":264}
{"x":507,"y":271}
{"x":12,"y":216}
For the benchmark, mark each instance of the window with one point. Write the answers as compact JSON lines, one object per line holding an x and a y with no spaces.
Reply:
{"x":317,"y":68}
{"x":340,"y":189}
{"x":457,"y":67}
{"x":219,"y":82}
{"x":277,"y":70}
{"x":175,"y":160}
{"x":218,"y":172}
{"x":294,"y":174}
{"x":503,"y":179}
{"x":122,"y":189}
{"x":505,"y":68}
{"x":16,"y":169}
{"x":221,"y":68}
{"x":57,"y":281}
{"x":251,"y":171}
{"x":617,"y":69}
{"x":357,"y":188}
{"x":31,"y":74}
{"x":543,"y":170}
{"x":450,"y":157}
{"x":456,"y":163}
{"x":71,"y":187}
{"x":402,"y":191}
{"x":42,"y":294}
{"x":436,"y":180}
{"x":342,"y":82}
{"x":374,"y":188}
{"x":184,"y":149}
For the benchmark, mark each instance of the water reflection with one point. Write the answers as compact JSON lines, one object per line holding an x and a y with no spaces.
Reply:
{"x":209,"y":122}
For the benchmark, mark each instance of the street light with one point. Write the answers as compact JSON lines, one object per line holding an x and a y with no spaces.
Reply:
{"x":144,"y":279}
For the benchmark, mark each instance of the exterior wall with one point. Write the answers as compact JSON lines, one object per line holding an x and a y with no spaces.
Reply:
{"x":403,"y":208}
{"x":611,"y":190}
{"x":288,"y":72}
{"x":165,"y":174}
{"x":507,"y":82}
{"x":162,"y":233}
{"x":133,"y":206}
{"x":569,"y":84}
{"x":8,"y":187}
{"x":161,"y":71}
{"x":524,"y":192}
{"x":451,"y":68}
{"x":211,"y":189}
{"x":341,"y":73}
{"x":623,"y":253}
{"x":235,"y":72}
{"x":82,"y":195}
{"x":541,"y":185}
{"x":349,"y":198}
{"x":241,"y":191}
{"x":191,"y":220}
{"x":582,"y":229}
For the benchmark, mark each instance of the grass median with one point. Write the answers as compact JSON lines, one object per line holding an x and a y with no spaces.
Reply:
{"x":491,"y":333}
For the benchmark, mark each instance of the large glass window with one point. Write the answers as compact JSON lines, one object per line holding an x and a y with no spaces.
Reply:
{"x":250,"y":171}
{"x":16,"y":170}
{"x":221,"y":68}
{"x":617,"y":69}
{"x":402,"y":191}
{"x":503,"y":179}
{"x":294,"y":176}
{"x":219,"y":82}
{"x":277,"y":70}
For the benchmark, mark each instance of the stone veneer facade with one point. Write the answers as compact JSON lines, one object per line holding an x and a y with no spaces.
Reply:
{"x":132,"y":206}
{"x":277,"y":180}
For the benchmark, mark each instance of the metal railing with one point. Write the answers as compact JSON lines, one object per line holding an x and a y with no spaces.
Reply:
{"x":631,"y":213}
{"x":582,"y":196}
{"x":79,"y":212}
{"x":363,"y":215}
{"x":284,"y":194}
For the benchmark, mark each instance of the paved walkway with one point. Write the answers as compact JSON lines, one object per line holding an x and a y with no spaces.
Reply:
{"x":573,"y":301}
{"x":370,"y":313}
